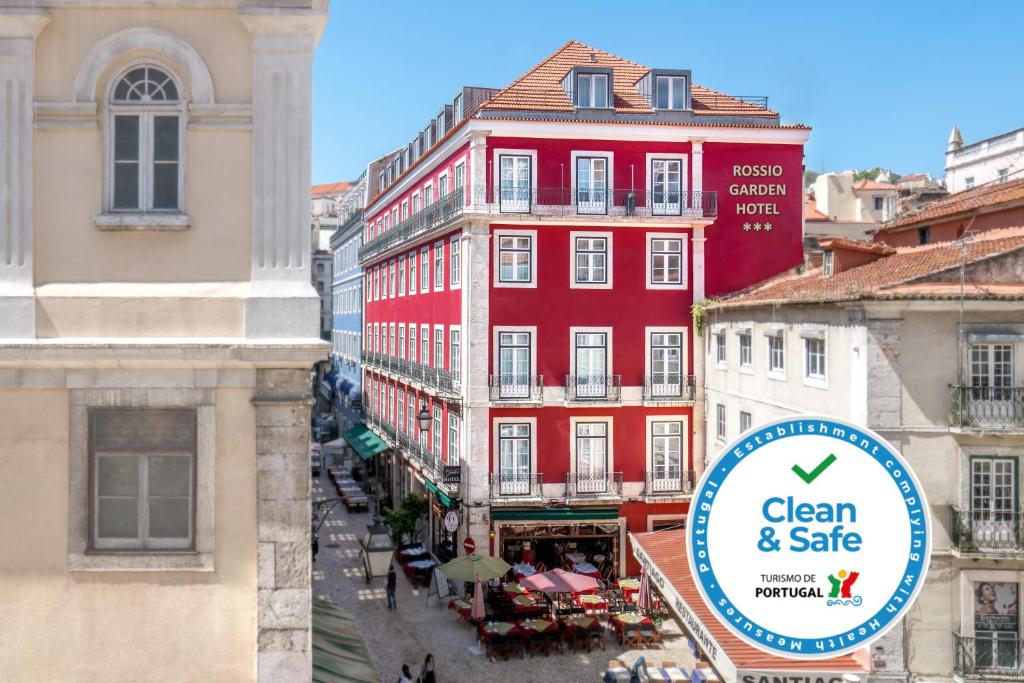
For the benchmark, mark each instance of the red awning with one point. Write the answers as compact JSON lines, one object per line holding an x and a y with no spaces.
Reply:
{"x":663,"y":554}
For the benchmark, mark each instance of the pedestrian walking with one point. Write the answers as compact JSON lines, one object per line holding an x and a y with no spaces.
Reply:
{"x":392,"y":585}
{"x":427,"y":674}
{"x":406,"y":675}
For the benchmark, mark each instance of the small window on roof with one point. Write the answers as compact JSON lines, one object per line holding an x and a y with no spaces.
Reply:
{"x":592,"y":90}
{"x":924,"y":235}
{"x":827,"y":261}
{"x":670,"y":92}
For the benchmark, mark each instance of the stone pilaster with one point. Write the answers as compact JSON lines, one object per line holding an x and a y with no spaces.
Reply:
{"x":478,"y":169}
{"x":284,"y":615}
{"x":884,"y":386}
{"x":282,"y":303}
{"x":697,"y":162}
{"x":697,"y":345}
{"x":18,"y":31}
{"x":476,"y":326}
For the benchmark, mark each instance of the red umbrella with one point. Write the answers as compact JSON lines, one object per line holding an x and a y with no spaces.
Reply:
{"x":478,"y":613}
{"x":559,"y":581}
{"x":643,"y":598}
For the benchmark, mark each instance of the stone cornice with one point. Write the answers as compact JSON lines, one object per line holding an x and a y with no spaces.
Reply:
{"x":22,"y":22}
{"x":278,"y":22}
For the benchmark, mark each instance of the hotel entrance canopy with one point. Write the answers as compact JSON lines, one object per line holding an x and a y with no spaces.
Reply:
{"x":663,"y":555}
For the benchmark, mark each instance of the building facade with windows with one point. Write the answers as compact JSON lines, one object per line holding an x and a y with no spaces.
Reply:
{"x":347,"y":308}
{"x":158,"y":329}
{"x":886,"y":337}
{"x":992,"y":160}
{"x":529,"y":270}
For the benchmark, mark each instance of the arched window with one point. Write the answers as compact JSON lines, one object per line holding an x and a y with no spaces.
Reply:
{"x":145,"y":173}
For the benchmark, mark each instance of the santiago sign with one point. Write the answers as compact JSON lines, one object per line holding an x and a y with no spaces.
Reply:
{"x":809,"y":537}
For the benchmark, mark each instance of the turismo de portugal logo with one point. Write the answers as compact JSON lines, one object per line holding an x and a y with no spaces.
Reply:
{"x":809,"y":537}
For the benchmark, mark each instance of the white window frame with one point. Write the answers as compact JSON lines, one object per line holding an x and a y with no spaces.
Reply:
{"x":145,"y":111}
{"x":808,"y":335}
{"x":609,"y":96}
{"x":671,"y":87}
{"x":609,"y":371}
{"x":749,"y":418}
{"x":401,"y":276}
{"x":609,"y":465}
{"x":405,"y":210}
{"x":684,"y":356}
{"x":455,"y":262}
{"x":425,"y":269}
{"x":401,"y":340}
{"x":425,"y":337}
{"x":771,"y":372}
{"x":392,"y":289}
{"x":428,"y":195}
{"x":496,"y":355}
{"x":413,"y":278}
{"x":414,"y":341}
{"x":392,"y":340}
{"x":496,"y":423}
{"x":585,"y":234}
{"x":438,"y":358}
{"x":683,"y":264}
{"x":525,"y":284}
{"x":514,"y":207}
{"x":400,"y":411}
{"x":684,"y":182}
{"x":461,"y":163}
{"x":437,"y":430}
{"x":721,"y":425}
{"x":443,"y":184}
{"x":439,"y":260}
{"x":455,"y":359}
{"x":684,"y":450}
{"x":747,"y":332}
{"x":720,"y":346}
{"x":609,"y":204}
{"x":454,"y":453}
{"x":416,"y":203}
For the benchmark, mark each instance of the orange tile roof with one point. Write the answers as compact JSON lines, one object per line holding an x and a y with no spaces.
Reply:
{"x":811,"y":212}
{"x":889,"y":277}
{"x":540,"y":88}
{"x":873,"y":185}
{"x":983,"y":196}
{"x":856,"y":245}
{"x":329,"y":188}
{"x":667,"y":550}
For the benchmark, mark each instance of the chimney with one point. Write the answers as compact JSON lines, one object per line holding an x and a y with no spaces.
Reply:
{"x":593,"y":58}
{"x":840,"y":254}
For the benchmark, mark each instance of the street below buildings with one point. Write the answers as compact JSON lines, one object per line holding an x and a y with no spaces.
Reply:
{"x":420,"y":626}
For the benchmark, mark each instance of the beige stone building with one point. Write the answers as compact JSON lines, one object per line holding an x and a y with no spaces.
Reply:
{"x":157,"y":329}
{"x":887,"y":338}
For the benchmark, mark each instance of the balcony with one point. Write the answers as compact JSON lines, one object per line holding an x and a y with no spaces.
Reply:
{"x":985,"y":531}
{"x":669,"y":481}
{"x":420,"y":223}
{"x":988,"y":407}
{"x":993,"y":658}
{"x":593,"y":484}
{"x":512,"y":388}
{"x":442,"y":381}
{"x":516,"y":486}
{"x":598,"y":388}
{"x":579,"y":201}
{"x":669,"y":388}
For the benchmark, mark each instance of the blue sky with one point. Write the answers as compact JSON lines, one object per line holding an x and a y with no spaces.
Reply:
{"x":881,"y":84}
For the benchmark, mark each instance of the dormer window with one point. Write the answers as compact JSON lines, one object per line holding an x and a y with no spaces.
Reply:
{"x":670,"y":92}
{"x":592,"y":91}
{"x":440,"y":125}
{"x":458,"y":107}
{"x":827,"y":262}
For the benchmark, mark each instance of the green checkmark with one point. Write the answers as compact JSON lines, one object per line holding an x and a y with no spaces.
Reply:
{"x":816,"y":472}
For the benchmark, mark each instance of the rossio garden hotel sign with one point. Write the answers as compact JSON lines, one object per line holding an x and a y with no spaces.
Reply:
{"x":753,"y":186}
{"x":809,"y":537}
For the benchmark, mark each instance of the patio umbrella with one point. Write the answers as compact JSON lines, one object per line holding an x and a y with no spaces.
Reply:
{"x":469,"y":567}
{"x":478,"y":613}
{"x":559,"y":581}
{"x":643,"y":598}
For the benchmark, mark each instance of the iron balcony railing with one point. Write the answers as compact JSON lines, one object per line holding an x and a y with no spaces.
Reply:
{"x":562,"y":201}
{"x":979,"y":531}
{"x":988,"y":407}
{"x":607,"y":388}
{"x":512,"y":484}
{"x":668,"y":481}
{"x":516,"y":387}
{"x":423,"y":221}
{"x":993,"y":657}
{"x":593,"y":483}
{"x":440,"y":380}
{"x":669,"y":387}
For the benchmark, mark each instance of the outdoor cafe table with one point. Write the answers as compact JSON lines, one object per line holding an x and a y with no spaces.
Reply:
{"x":581,"y":622}
{"x":587,"y":569}
{"x":412,"y":553}
{"x":629,"y":621}
{"x":419,"y":570}
{"x":463,"y":606}
{"x":513,"y":589}
{"x":528,"y":603}
{"x":576,"y":558}
{"x":592,"y":602}
{"x":492,"y":629}
{"x":538,"y":625}
{"x":629,"y":587}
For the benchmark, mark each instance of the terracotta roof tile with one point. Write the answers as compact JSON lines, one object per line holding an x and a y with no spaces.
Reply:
{"x":540,"y":88}
{"x":667,"y":550}
{"x":329,"y":188}
{"x":991,"y":194}
{"x":811,"y":212}
{"x":873,"y":185}
{"x":886,"y":277}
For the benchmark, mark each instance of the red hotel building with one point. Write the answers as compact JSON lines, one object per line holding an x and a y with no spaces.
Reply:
{"x":531,"y":260}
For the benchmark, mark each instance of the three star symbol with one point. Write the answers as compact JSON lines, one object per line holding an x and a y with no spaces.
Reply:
{"x":757,"y":227}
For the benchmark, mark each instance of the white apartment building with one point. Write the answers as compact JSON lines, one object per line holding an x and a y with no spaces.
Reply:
{"x":853,"y":206}
{"x":881,"y":337}
{"x":993,"y":159}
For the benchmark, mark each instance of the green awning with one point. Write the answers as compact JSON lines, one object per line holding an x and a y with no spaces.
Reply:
{"x":364,"y":441}
{"x":441,"y":495}
{"x":554,"y":514}
{"x":339,"y":653}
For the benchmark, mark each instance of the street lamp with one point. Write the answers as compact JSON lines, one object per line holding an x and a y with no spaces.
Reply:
{"x":423,"y":417}
{"x":377,"y":549}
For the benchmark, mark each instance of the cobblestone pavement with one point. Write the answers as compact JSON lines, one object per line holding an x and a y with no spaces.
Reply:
{"x":420,"y":626}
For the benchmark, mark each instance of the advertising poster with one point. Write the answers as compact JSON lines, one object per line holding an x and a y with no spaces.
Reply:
{"x":995,"y":606}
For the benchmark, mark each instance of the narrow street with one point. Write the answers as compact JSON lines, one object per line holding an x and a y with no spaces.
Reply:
{"x":420,"y":626}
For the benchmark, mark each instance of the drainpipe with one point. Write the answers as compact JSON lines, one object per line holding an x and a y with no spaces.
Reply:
{"x":697,"y":344}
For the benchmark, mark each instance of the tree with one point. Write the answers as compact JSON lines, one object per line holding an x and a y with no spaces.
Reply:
{"x":404,"y":521}
{"x":872,"y":174}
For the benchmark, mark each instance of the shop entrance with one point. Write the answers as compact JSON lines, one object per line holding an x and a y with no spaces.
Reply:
{"x":587,"y":547}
